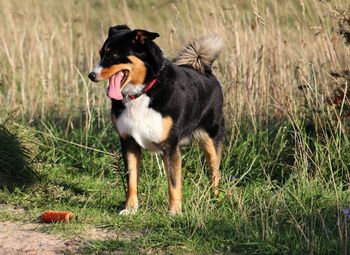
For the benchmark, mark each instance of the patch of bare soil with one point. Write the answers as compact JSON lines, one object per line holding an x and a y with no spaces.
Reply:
{"x":27,"y":238}
{"x":18,"y":238}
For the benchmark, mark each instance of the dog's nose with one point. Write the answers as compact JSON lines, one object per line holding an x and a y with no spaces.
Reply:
{"x":92,"y":76}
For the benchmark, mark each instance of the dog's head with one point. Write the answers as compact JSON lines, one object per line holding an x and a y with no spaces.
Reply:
{"x":127,"y":57}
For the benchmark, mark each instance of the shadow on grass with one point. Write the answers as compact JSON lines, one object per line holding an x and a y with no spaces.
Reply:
{"x":268,"y":148}
{"x":15,"y":162}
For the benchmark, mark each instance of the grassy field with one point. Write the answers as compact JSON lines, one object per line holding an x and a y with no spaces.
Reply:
{"x":285,"y":167}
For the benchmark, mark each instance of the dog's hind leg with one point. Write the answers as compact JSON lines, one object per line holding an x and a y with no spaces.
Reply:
{"x":132,"y":156}
{"x":172,"y":162}
{"x":212,"y":149}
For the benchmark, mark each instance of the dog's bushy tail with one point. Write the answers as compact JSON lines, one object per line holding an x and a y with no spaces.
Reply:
{"x":200,"y":53}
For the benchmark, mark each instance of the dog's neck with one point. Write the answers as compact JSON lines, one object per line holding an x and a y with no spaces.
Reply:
{"x":132,"y":89}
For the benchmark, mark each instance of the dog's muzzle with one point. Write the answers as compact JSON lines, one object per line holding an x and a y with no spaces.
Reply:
{"x":92,"y":76}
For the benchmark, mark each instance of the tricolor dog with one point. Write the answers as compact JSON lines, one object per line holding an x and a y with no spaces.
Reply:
{"x":157,"y":104}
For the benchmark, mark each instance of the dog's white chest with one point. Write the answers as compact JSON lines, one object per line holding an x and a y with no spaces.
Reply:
{"x":141,"y":122}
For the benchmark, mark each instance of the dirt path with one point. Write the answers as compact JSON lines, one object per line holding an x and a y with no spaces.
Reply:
{"x":27,"y":238}
{"x":18,"y":238}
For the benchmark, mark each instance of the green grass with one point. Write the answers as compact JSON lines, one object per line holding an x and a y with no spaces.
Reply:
{"x":276,"y":197}
{"x":285,"y":166}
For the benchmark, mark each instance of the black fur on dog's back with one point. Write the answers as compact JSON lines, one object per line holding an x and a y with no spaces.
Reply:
{"x":193,"y":100}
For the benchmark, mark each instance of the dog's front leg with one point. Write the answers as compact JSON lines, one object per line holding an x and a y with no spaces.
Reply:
{"x":172,"y":162}
{"x":132,"y":156}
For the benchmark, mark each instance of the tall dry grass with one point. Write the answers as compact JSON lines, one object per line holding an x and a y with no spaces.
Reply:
{"x":283,"y":187}
{"x":272,"y":48}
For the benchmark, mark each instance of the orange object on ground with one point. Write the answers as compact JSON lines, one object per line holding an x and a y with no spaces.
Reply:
{"x":55,"y":216}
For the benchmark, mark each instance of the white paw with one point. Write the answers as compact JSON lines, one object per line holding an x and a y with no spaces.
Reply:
{"x":128,"y":211}
{"x":175,"y":213}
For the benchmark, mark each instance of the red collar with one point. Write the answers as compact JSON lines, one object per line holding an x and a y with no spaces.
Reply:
{"x":148,"y":87}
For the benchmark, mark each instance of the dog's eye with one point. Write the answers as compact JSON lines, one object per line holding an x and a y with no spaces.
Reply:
{"x":115,"y":55}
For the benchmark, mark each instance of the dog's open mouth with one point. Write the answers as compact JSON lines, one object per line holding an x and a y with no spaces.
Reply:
{"x":116,"y":83}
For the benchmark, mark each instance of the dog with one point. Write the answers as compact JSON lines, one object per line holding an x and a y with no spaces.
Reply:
{"x":157,"y":104}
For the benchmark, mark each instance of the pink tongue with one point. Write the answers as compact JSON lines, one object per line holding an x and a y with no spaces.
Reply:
{"x":113,"y":90}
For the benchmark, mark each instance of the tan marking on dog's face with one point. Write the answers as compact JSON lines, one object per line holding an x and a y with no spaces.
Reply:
{"x":139,"y":70}
{"x":167,"y":125}
{"x":107,"y":72}
{"x":136,"y":71}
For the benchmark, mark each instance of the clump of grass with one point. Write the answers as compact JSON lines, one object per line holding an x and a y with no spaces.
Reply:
{"x":17,"y":152}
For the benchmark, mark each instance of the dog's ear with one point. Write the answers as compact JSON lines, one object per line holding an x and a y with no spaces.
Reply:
{"x":116,"y":29}
{"x":142,"y":36}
